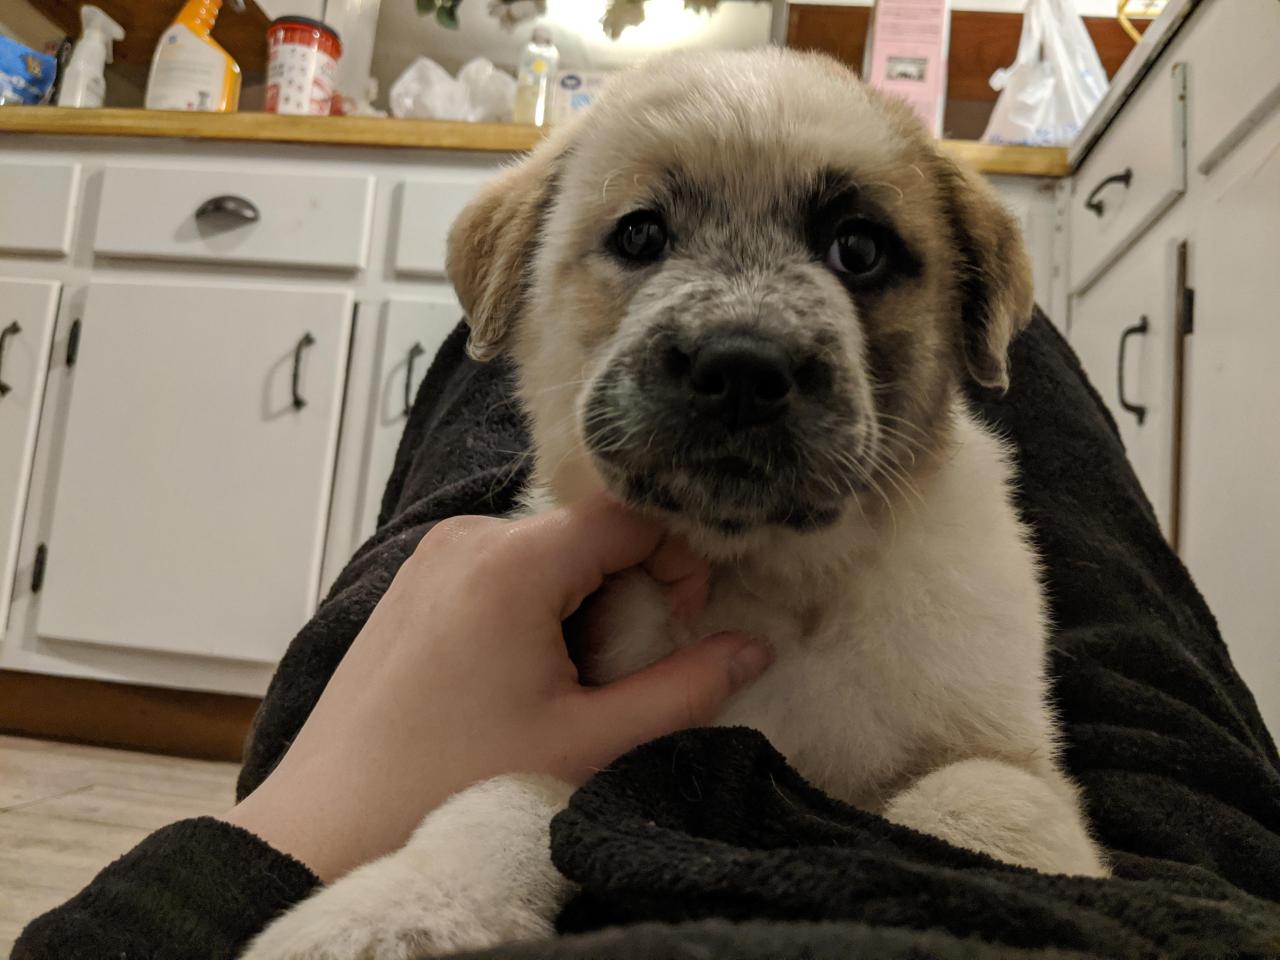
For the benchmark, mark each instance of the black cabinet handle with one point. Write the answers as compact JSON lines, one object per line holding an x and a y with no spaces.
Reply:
{"x":307,"y":340}
{"x":1141,"y":327}
{"x":230,"y":206}
{"x":13,"y":329}
{"x":414,"y":352}
{"x":1092,"y":202}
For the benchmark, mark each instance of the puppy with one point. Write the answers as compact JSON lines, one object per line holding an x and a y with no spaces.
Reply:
{"x":743,"y":293}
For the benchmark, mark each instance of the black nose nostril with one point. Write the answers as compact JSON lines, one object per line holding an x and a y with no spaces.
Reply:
{"x":676,"y":363}
{"x":772,"y":386}
{"x":741,"y":380}
{"x":710,"y":382}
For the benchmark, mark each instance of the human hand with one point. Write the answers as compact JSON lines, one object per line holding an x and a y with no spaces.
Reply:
{"x":461,"y":674}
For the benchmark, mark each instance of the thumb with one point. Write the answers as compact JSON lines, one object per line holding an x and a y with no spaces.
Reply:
{"x":686,"y":689}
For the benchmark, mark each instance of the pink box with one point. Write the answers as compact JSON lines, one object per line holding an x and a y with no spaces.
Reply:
{"x":907,"y":54}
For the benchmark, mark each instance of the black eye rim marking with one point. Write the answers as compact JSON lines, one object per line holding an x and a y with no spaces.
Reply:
{"x":640,"y":238}
{"x":835,"y":207}
{"x":866,"y":230}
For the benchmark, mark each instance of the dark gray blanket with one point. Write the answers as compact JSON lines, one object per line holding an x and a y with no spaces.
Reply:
{"x":706,"y":844}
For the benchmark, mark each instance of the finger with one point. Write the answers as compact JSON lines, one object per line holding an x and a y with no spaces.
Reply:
{"x":564,"y":556}
{"x":673,"y":561}
{"x":687,"y":689}
{"x":684,"y":576}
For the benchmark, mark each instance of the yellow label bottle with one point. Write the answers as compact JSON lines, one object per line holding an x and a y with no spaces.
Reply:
{"x":189,"y":70}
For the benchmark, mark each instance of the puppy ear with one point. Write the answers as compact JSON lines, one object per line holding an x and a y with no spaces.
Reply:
{"x":493,"y":242}
{"x":995,"y":274}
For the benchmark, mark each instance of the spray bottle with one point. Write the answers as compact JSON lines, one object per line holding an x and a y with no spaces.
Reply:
{"x":85,"y":82}
{"x":189,"y":71}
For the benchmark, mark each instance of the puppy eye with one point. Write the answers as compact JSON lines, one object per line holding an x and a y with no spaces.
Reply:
{"x":857,"y":252}
{"x":641,"y":236}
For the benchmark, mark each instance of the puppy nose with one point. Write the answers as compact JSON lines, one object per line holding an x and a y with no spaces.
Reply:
{"x":745,"y":381}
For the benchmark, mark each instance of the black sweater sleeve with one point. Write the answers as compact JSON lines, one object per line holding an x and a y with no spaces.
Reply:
{"x":202,"y":888}
{"x":197,"y":889}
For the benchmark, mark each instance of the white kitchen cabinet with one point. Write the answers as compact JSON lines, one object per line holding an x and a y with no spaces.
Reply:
{"x":193,"y":469}
{"x":1212,"y":472}
{"x":1125,"y":332}
{"x":1231,"y":508}
{"x":401,"y":337}
{"x":27,"y":309}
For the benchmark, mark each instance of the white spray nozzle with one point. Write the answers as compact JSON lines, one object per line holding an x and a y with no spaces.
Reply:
{"x":93,"y":20}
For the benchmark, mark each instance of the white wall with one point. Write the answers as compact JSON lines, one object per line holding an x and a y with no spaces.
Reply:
{"x":1086,"y":8}
{"x":575,"y":26}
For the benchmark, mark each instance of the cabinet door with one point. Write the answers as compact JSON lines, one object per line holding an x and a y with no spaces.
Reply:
{"x":27,"y":309}
{"x":1231,"y":540}
{"x":395,"y":344}
{"x":1124,"y":328}
{"x":412,"y":331}
{"x":193,"y":480}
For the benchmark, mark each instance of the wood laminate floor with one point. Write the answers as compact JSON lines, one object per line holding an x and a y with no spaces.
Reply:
{"x":66,"y":811}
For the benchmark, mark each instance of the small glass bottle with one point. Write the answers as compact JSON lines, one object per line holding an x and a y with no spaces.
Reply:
{"x":538,"y":66}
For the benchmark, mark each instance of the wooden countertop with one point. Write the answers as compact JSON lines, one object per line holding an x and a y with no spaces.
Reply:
{"x":387,"y":132}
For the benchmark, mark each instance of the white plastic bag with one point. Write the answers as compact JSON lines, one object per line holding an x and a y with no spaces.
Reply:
{"x":492,"y":92}
{"x":480,"y":92}
{"x":1053,"y":85}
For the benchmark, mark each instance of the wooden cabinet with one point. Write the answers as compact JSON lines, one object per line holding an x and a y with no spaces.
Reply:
{"x":27,"y":309}
{"x":192,"y":487}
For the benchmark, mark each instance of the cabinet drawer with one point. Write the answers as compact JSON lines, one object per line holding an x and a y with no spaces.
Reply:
{"x":1134,"y":174}
{"x":1234,"y":75}
{"x":1124,"y":330}
{"x":37,"y":206}
{"x":427,"y":210}
{"x":235,"y":216}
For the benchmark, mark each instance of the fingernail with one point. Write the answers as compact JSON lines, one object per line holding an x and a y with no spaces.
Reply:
{"x":748,"y":662}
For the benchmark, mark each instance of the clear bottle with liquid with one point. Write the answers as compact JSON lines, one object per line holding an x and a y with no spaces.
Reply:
{"x":536,"y":79}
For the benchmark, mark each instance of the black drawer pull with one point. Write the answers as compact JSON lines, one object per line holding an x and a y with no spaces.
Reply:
{"x":1092,"y":202}
{"x":1138,"y":410}
{"x":307,"y":340}
{"x":13,"y":329}
{"x":415,"y":351}
{"x":229,"y":206}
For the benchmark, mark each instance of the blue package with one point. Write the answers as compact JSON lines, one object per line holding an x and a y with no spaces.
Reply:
{"x":25,"y":76}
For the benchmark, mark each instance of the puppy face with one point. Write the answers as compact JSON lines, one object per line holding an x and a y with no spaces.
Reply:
{"x":741,"y":289}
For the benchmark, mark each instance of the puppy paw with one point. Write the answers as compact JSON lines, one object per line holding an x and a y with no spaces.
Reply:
{"x":629,"y":625}
{"x":476,"y":873}
{"x":1005,"y":812}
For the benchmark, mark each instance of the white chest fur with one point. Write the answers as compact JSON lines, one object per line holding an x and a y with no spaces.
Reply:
{"x":919,"y":643}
